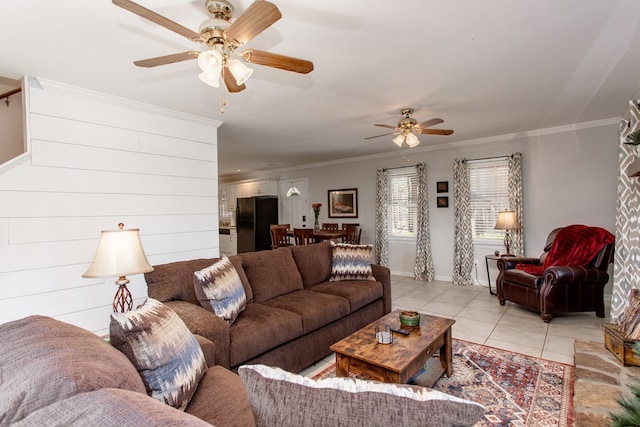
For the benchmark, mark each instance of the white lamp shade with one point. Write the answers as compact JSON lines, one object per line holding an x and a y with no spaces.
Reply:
{"x":239,"y":71}
{"x":412,"y":140}
{"x":507,"y":220}
{"x":210,"y":79}
{"x":119,"y":253}
{"x":398,"y":140}
{"x":210,"y":61}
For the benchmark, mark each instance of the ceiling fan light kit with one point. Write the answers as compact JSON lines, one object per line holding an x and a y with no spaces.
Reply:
{"x":408,"y":127}
{"x":222,"y":38}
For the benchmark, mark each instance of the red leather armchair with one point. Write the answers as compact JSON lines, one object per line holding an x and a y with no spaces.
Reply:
{"x":559,"y":289}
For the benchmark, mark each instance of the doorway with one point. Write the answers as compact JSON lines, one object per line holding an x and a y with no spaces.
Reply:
{"x":294,"y":210}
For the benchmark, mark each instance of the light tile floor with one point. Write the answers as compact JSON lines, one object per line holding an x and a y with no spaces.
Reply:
{"x":481,"y":319}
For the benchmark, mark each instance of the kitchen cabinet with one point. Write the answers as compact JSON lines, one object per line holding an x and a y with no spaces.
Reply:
{"x":262,"y":187}
{"x":228,"y":242}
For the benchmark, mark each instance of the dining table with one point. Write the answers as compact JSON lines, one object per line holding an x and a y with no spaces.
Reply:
{"x":320,"y":235}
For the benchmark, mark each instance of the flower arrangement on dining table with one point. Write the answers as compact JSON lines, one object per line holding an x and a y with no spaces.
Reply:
{"x":316,"y":213}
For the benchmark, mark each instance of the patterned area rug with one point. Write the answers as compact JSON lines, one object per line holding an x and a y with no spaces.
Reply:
{"x":516,"y":390}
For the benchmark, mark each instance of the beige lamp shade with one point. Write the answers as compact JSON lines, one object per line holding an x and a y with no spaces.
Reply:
{"x":507,"y":220}
{"x":119,"y":254}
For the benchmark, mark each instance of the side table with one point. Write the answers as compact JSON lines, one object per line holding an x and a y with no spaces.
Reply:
{"x":486,"y":260}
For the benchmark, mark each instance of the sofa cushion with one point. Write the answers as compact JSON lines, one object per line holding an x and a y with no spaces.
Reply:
{"x":260,"y":328}
{"x":221,"y":399}
{"x":220,"y":289}
{"x":271,"y":273}
{"x":174,"y":281}
{"x":314,"y":262}
{"x":351,"y":262}
{"x":43,"y":360}
{"x":277,"y":395}
{"x":315,"y":309}
{"x":159,"y":344}
{"x":358,"y":293}
{"x":109,"y":407}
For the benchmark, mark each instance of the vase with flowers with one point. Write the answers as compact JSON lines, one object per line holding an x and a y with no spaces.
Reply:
{"x":316,"y":213}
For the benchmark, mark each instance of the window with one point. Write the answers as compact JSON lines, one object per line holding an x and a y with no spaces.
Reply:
{"x":403,"y":202}
{"x":488,"y":181}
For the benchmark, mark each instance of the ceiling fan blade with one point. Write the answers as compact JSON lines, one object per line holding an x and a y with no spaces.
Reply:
{"x":431,"y":122}
{"x":230,"y":82}
{"x":254,"y":20}
{"x":167,"y":59}
{"x":377,"y":136}
{"x":436,"y":131}
{"x":385,"y":126}
{"x":274,"y":60}
{"x":154,"y":17}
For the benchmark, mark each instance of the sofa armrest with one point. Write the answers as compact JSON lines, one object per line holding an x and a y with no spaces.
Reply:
{"x":208,"y":348}
{"x":203,"y":322}
{"x":510,"y":262}
{"x":383,"y":275}
{"x":574,"y":275}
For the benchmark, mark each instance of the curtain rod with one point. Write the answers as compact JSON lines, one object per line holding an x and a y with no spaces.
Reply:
{"x":400,"y":167}
{"x":11,"y":92}
{"x":490,"y":158}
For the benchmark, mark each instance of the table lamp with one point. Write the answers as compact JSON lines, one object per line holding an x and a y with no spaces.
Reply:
{"x":507,"y":220}
{"x":119,"y":254}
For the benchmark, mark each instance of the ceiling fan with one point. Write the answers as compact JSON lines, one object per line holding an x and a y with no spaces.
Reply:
{"x":408,"y":127}
{"x":222,"y":38}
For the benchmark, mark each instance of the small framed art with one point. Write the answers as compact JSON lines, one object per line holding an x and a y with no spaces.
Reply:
{"x":343,"y":203}
{"x":442,"y":186}
{"x":443,"y":202}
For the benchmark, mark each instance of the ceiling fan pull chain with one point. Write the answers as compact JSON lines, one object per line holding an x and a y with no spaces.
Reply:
{"x":223,"y":102}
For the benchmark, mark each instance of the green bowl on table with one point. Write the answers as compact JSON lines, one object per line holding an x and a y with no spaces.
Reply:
{"x":410,"y":318}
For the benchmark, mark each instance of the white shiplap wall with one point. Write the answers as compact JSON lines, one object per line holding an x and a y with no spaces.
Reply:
{"x":97,"y":160}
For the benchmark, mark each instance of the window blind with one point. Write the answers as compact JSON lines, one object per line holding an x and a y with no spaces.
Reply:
{"x":488,"y":180}
{"x":403,"y":202}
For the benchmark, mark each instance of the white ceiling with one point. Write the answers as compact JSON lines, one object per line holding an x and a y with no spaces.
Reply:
{"x":487,"y":68}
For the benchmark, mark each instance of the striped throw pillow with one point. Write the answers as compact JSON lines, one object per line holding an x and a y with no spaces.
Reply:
{"x":351,"y":262}
{"x":220,"y":290}
{"x":163,"y":350}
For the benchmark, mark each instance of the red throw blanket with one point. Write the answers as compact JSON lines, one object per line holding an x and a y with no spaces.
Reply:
{"x":574,"y":246}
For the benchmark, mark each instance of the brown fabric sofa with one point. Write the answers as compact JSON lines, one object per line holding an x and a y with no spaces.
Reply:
{"x":56,"y":374}
{"x":293,"y":314}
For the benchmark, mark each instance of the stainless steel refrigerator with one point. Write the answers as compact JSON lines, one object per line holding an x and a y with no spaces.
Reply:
{"x":254,"y":215}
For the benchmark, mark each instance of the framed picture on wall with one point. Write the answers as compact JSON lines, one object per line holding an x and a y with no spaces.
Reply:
{"x":343,"y":203}
{"x":442,"y":186}
{"x":443,"y":202}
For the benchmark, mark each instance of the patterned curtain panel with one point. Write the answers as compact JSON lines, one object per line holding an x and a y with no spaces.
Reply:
{"x":626,"y":270}
{"x":424,"y":261}
{"x":463,"y":238}
{"x":515,"y":202}
{"x":382,"y":192}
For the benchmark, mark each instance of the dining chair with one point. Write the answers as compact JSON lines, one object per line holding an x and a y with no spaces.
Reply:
{"x":279,"y":237}
{"x":353,"y":235}
{"x":346,"y":225}
{"x":285,"y":226}
{"x":329,"y":225}
{"x":303,"y":236}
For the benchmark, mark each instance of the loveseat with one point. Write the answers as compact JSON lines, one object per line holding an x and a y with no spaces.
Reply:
{"x":56,"y":374}
{"x":293,"y":312}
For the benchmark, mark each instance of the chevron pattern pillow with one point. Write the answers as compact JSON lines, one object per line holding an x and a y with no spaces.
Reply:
{"x":220,"y":290}
{"x":351,"y":262}
{"x":163,"y":350}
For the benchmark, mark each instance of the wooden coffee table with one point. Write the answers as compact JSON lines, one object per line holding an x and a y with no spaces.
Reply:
{"x":360,"y":353}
